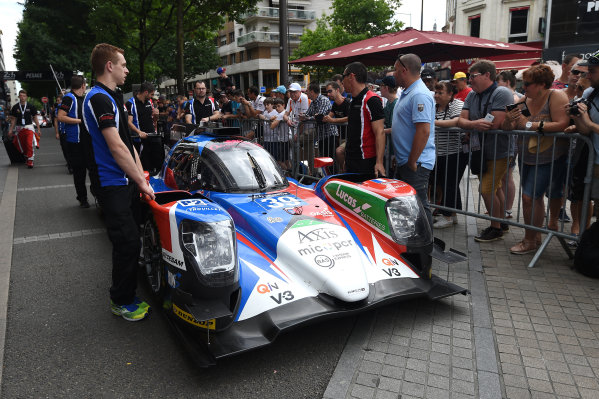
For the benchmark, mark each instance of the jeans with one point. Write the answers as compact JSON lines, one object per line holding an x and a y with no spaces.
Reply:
{"x":122,"y":214}
{"x":419,"y":181}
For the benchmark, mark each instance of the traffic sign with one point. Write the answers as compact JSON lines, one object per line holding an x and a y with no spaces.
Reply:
{"x":45,"y":100}
{"x":262,"y":89}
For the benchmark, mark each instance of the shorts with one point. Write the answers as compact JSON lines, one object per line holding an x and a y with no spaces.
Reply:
{"x":544,"y":176}
{"x":496,"y":171}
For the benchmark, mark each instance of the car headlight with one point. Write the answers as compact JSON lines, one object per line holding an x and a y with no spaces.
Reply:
{"x":213,"y":249}
{"x":407,"y":221}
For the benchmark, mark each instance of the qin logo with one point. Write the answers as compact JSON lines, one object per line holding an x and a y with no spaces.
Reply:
{"x":324,"y":261}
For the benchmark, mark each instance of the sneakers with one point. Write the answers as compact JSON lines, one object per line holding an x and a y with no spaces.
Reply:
{"x":136,"y":311}
{"x":563,"y":216}
{"x":504,"y":226}
{"x":443,"y":222}
{"x":29,"y":164}
{"x":489,"y":234}
{"x":83,"y":202}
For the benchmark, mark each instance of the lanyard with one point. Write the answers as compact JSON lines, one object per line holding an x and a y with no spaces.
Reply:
{"x":23,"y":109}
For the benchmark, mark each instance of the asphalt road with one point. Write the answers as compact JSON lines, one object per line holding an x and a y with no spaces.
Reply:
{"x":63,"y":341}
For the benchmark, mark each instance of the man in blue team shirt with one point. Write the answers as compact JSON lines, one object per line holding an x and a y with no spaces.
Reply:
{"x":413,"y":128}
{"x":120,"y":176}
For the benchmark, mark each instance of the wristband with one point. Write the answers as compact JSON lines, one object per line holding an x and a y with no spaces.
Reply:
{"x":541,"y":126}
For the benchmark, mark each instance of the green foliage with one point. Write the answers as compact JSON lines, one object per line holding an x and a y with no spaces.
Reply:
{"x":200,"y":56}
{"x":349,"y":22}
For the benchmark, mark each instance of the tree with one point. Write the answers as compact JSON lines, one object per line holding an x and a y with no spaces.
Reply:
{"x":349,"y":22}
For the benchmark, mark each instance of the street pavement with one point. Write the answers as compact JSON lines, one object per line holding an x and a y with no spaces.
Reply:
{"x":520,"y":333}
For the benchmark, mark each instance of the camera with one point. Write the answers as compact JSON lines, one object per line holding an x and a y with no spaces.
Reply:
{"x":574,"y":106}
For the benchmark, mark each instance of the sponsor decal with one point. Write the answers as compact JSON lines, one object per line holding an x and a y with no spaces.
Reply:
{"x":362,"y":207}
{"x":390,"y":262}
{"x":207,"y":324}
{"x":285,"y":201}
{"x":318,"y":234}
{"x":324,"y":261}
{"x":392,"y":271}
{"x":420,"y":107}
{"x":345,"y":197}
{"x":192,"y":202}
{"x":173,"y":279}
{"x":266,"y":288}
{"x":274,"y":220}
{"x":324,"y":213}
{"x":306,"y":222}
{"x":106,"y":117}
{"x":173,"y":261}
{"x":286,"y":296}
{"x":357,"y":290}
{"x":325,"y":247}
{"x":343,"y":255}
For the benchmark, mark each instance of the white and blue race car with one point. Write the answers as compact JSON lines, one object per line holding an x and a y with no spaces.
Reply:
{"x":236,"y":252}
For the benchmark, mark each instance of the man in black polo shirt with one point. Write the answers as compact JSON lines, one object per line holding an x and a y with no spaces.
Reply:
{"x":141,"y":122}
{"x":201,"y":108}
{"x":365,"y":148}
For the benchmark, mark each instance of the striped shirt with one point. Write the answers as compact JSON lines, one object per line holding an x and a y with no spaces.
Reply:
{"x":448,"y":143}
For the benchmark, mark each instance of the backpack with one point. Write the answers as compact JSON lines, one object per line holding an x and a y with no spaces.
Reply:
{"x":586,"y":258}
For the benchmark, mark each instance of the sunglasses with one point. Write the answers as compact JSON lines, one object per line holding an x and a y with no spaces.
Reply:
{"x":399,"y":59}
{"x":474,"y":75}
{"x":329,"y":91}
{"x":576,"y":72}
{"x":345,"y":75}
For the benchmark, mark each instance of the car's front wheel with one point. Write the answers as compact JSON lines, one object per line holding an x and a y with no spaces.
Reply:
{"x":152,"y":256}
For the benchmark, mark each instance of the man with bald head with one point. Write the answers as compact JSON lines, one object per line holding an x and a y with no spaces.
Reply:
{"x":413,"y":128}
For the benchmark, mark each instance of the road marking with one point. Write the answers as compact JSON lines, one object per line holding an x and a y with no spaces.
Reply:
{"x":49,"y":165}
{"x":45,"y":187}
{"x":57,"y":236}
{"x":8,"y":206}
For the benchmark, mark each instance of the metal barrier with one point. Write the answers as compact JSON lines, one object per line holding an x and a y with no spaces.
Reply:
{"x":551,"y":152}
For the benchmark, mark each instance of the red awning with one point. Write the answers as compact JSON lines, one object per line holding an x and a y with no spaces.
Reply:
{"x":515,"y":64}
{"x":430,"y":46}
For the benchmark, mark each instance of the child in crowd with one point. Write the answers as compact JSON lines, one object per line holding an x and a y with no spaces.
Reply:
{"x":281,"y":130}
{"x":271,"y":142}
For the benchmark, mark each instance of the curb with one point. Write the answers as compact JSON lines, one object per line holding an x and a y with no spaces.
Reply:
{"x":7,"y":218}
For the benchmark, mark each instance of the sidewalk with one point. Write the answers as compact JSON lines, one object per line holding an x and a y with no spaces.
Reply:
{"x":522,"y":333}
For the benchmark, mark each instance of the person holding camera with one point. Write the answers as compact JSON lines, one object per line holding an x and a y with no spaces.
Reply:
{"x":586,"y":115}
{"x":543,"y":159}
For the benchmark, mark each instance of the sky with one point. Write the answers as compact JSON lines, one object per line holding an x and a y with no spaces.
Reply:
{"x":410,"y":10}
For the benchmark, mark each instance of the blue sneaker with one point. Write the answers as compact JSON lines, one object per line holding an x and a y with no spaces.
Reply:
{"x":131,"y":312}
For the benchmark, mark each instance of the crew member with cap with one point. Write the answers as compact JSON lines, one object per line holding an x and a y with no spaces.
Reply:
{"x":460,"y":81}
{"x":226,"y":83}
{"x":429,"y":78}
{"x":388,"y":89}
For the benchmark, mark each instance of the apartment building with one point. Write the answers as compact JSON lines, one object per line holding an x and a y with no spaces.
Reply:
{"x":250,"y":51}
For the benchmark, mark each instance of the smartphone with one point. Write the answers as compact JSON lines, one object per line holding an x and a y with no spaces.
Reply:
{"x":511,"y":107}
{"x":489,"y":118}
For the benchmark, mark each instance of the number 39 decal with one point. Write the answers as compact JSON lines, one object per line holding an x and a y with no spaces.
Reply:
{"x":285,"y":201}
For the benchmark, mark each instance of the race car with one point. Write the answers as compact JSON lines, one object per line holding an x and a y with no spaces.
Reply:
{"x":236,"y":252}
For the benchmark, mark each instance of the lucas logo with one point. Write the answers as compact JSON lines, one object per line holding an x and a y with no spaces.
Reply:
{"x":348,"y":199}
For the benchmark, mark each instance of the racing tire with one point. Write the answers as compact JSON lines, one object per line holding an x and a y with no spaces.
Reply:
{"x":151,"y":257}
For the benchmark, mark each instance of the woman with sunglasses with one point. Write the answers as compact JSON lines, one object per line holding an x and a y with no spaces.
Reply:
{"x":451,"y":161}
{"x":542,"y":159}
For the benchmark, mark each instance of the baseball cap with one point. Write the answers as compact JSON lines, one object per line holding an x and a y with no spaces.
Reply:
{"x":280,"y":89}
{"x":459,"y":75}
{"x":593,"y":60}
{"x":387,"y":81}
{"x":427,"y":73}
{"x":220,"y":70}
{"x":295,"y":87}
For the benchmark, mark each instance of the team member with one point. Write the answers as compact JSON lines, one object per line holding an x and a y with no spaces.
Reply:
{"x":141,"y":121}
{"x":69,"y":113}
{"x":120,"y":175}
{"x":59,"y":131}
{"x":201,"y":108}
{"x":413,"y":129}
{"x":365,"y":145}
{"x":23,"y":115}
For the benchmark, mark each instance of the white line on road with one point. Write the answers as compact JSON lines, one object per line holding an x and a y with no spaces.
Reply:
{"x":45,"y":187}
{"x":57,"y":236}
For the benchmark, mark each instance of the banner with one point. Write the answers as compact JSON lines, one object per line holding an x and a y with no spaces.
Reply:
{"x":28,"y":76}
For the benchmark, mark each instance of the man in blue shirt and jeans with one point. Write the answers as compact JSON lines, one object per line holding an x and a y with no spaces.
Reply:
{"x":413,"y":129}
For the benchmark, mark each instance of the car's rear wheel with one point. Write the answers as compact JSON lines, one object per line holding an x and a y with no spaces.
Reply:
{"x":152,"y":256}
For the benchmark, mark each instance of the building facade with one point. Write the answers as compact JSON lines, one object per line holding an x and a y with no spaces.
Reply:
{"x":250,"y":51}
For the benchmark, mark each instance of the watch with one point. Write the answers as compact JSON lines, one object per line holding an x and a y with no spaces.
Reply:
{"x":528,"y":125}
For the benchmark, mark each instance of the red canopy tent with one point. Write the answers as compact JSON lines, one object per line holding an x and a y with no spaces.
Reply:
{"x":429,"y":45}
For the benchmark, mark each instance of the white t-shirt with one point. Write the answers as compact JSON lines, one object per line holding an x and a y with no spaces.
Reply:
{"x":269,"y":134}
{"x":282,"y":131}
{"x":296,"y":108}
{"x":258,"y":103}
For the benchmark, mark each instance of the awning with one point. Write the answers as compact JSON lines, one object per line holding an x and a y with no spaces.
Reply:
{"x":516,"y":64}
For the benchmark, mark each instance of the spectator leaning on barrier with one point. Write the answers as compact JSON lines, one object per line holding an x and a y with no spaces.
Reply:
{"x":484,"y":109}
{"x":451,"y":161}
{"x":461,"y":83}
{"x":543,"y":164}
{"x":120,"y":176}
{"x":587,"y":119}
{"x":320,"y":106}
{"x":365,"y":145}
{"x":567,"y":64}
{"x":413,"y":130}
{"x":389,"y":92}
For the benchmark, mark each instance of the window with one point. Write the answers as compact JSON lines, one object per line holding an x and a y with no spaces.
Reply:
{"x":518,"y":25}
{"x":223,"y":40}
{"x":232,"y":59}
{"x":474,"y":25}
{"x":223,"y":60}
{"x":241,"y":56}
{"x":231,"y":37}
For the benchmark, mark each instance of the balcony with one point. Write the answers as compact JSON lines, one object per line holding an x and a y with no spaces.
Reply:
{"x":269,"y":39}
{"x":273,"y":13}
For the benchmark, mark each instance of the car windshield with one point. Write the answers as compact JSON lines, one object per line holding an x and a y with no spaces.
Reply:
{"x":237,"y":166}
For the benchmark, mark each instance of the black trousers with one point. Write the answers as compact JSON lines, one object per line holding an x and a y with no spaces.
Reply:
{"x":366,"y":166}
{"x":76,"y":160}
{"x":63,"y":147}
{"x":450,"y":186}
{"x":122,"y":212}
